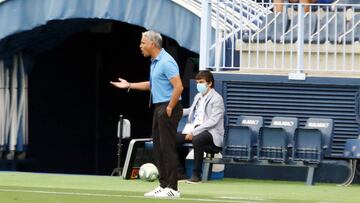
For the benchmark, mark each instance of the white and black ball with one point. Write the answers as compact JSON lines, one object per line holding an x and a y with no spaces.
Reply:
{"x":148,"y":172}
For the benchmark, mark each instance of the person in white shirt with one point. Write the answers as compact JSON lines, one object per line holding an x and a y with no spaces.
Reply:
{"x":205,"y":125}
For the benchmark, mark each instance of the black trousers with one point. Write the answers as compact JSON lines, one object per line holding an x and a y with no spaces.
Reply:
{"x":200,"y":142}
{"x":164,"y":131}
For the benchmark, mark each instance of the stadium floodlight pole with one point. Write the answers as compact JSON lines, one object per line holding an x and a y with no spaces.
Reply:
{"x":205,"y":33}
{"x":299,"y":74}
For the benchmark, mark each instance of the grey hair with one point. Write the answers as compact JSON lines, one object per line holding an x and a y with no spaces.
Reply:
{"x":154,"y":37}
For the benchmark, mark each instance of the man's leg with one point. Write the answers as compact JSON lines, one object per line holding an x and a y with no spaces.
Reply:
{"x":182,"y":153}
{"x":167,"y":132}
{"x":200,"y":141}
{"x":158,"y":155}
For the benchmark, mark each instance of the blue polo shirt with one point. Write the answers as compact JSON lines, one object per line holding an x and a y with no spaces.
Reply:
{"x":162,"y":69}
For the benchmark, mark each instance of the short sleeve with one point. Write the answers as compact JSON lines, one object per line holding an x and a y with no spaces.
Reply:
{"x":171,"y":70}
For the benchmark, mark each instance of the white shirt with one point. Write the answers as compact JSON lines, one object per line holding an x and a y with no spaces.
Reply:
{"x":200,"y":110}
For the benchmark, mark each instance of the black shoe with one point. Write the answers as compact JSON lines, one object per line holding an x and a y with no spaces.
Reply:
{"x":194,"y":180}
{"x":182,"y":176}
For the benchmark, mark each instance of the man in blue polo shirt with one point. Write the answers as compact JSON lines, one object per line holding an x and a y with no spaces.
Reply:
{"x":166,"y":88}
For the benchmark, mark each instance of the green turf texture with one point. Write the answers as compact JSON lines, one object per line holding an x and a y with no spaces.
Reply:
{"x":58,"y":188}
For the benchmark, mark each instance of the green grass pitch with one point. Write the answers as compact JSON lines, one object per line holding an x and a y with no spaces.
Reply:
{"x":57,"y":188}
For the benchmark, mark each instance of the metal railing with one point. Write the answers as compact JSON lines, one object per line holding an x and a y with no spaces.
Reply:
{"x":302,"y":38}
{"x":13,"y":106}
{"x":226,"y":15}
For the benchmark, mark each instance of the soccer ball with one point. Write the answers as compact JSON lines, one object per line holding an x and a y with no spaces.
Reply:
{"x":148,"y":172}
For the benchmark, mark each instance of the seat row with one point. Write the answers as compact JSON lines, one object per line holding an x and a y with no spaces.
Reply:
{"x":282,"y":141}
{"x":331,"y":27}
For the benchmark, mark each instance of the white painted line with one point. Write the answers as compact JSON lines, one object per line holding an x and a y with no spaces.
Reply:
{"x":123,"y":196}
{"x":241,"y":198}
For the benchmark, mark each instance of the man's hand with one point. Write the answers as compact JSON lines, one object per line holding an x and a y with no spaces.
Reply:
{"x":189,"y":137}
{"x":169,"y":111}
{"x":123,"y":84}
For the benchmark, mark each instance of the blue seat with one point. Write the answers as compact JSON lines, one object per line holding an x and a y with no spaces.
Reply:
{"x":355,"y":5}
{"x":352,"y":149}
{"x":271,"y":29}
{"x":310,"y":21}
{"x":275,"y":140}
{"x":352,"y":152}
{"x":278,"y":28}
{"x":312,"y":141}
{"x":326,"y":127}
{"x":342,"y":5}
{"x":261,"y":35}
{"x":331,"y":27}
{"x":353,"y":30}
{"x":307,"y":146}
{"x":182,"y":123}
{"x":241,"y":138}
{"x":325,"y":1}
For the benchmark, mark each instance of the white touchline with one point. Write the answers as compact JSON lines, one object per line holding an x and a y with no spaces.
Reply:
{"x":241,"y":198}
{"x":127,"y":196}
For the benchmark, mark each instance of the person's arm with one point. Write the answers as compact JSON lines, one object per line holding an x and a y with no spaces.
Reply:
{"x":123,"y":84}
{"x":178,"y":88}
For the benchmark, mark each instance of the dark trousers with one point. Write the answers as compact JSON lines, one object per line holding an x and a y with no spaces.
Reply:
{"x":200,"y":142}
{"x":164,"y":137}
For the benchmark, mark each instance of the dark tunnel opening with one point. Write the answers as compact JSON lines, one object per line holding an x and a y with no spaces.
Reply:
{"x":73,"y":110}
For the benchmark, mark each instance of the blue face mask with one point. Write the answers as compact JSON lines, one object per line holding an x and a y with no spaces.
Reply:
{"x":202,"y":88}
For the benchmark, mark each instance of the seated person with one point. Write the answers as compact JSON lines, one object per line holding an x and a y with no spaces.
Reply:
{"x":307,"y":3}
{"x":279,"y":4}
{"x":205,"y":126}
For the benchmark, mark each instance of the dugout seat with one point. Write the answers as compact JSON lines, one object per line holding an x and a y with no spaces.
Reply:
{"x":275,"y":140}
{"x":241,"y":139}
{"x":311,"y":141}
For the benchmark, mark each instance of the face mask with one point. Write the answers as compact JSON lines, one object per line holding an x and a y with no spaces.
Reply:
{"x":202,"y":88}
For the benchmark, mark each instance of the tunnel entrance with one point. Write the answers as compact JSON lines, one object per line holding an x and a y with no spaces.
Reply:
{"x":73,"y":110}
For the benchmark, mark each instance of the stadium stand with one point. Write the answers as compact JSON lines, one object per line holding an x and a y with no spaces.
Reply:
{"x":352,"y":33}
{"x":272,"y":25}
{"x":246,"y":14}
{"x":332,"y":25}
{"x":324,"y":29}
{"x":291,"y":35}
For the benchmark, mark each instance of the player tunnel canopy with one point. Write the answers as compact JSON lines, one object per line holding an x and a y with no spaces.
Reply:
{"x":20,"y":21}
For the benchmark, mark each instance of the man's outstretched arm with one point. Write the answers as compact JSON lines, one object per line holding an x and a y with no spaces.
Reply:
{"x":123,"y":84}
